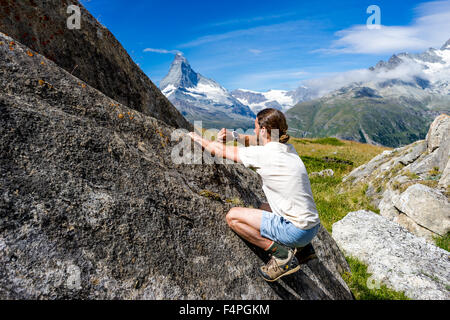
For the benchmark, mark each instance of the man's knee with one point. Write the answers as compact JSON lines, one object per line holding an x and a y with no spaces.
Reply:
{"x":232,"y":216}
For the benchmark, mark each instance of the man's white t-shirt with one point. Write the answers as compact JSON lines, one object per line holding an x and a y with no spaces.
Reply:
{"x":285,"y":182}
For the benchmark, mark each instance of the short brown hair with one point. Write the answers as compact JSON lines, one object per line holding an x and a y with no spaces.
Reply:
{"x":270,"y":119}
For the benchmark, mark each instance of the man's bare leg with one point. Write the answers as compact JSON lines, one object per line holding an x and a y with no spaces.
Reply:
{"x":306,"y":253}
{"x":246,"y":222}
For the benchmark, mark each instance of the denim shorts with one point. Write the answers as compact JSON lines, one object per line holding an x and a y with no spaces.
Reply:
{"x":281,"y":230}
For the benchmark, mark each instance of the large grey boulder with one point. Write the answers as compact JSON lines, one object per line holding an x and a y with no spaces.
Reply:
{"x":90,"y":53}
{"x":93,"y":207}
{"x":394,"y":256}
{"x":428,"y":207}
{"x":390,"y":211}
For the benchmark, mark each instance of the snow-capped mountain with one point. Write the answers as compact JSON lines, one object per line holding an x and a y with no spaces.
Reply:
{"x":278,"y":99}
{"x":404,"y":74}
{"x":200,"y":98}
{"x":419,"y":76}
{"x":428,"y":71}
{"x":391,"y":104}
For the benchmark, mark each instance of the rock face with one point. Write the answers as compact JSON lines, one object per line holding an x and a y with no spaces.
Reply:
{"x":91,"y":54}
{"x":93,"y":207}
{"x":395,"y":256}
{"x":410,"y":185}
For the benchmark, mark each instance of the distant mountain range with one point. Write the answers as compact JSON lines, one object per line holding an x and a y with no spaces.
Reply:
{"x":200,"y":98}
{"x":278,"y":99}
{"x":391,"y":104}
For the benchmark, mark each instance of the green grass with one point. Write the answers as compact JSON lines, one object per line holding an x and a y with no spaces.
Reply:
{"x":443,"y":242}
{"x":210,"y":195}
{"x":364,"y":288}
{"x":332,"y":204}
{"x":411,"y":175}
{"x":317,"y":164}
{"x":297,"y":140}
{"x":329,"y":140}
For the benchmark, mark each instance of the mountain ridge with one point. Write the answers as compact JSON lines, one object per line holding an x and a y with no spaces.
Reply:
{"x":278,"y":99}
{"x":393,"y":104}
{"x":201,"y":98}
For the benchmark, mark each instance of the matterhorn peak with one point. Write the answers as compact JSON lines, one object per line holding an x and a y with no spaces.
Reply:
{"x":179,"y":57}
{"x":180,"y":74}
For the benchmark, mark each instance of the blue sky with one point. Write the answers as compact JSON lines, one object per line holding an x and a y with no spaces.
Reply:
{"x":262,"y":45}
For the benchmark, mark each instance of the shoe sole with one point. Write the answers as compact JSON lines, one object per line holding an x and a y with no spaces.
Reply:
{"x":284,"y":274}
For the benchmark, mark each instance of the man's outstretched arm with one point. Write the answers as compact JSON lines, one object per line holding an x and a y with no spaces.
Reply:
{"x":225,"y":135}
{"x":217,"y":148}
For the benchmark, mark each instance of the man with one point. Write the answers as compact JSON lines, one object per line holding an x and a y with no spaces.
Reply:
{"x":290,"y":219}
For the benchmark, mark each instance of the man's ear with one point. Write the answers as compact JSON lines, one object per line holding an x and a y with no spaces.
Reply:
{"x":263,"y":131}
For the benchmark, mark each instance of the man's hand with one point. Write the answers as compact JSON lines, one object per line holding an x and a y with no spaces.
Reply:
{"x":224,"y":136}
{"x":216,"y":148}
{"x":197,"y":138}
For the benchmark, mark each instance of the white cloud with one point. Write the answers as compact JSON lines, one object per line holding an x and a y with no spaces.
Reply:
{"x":255,"y":51}
{"x":430,"y":28}
{"x":162,"y":51}
{"x":406,"y":71}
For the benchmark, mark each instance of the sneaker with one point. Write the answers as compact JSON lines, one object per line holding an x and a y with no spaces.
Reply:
{"x":275,"y":269}
{"x":306,"y":253}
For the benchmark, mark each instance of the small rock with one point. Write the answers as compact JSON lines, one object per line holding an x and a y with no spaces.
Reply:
{"x":323,"y":173}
